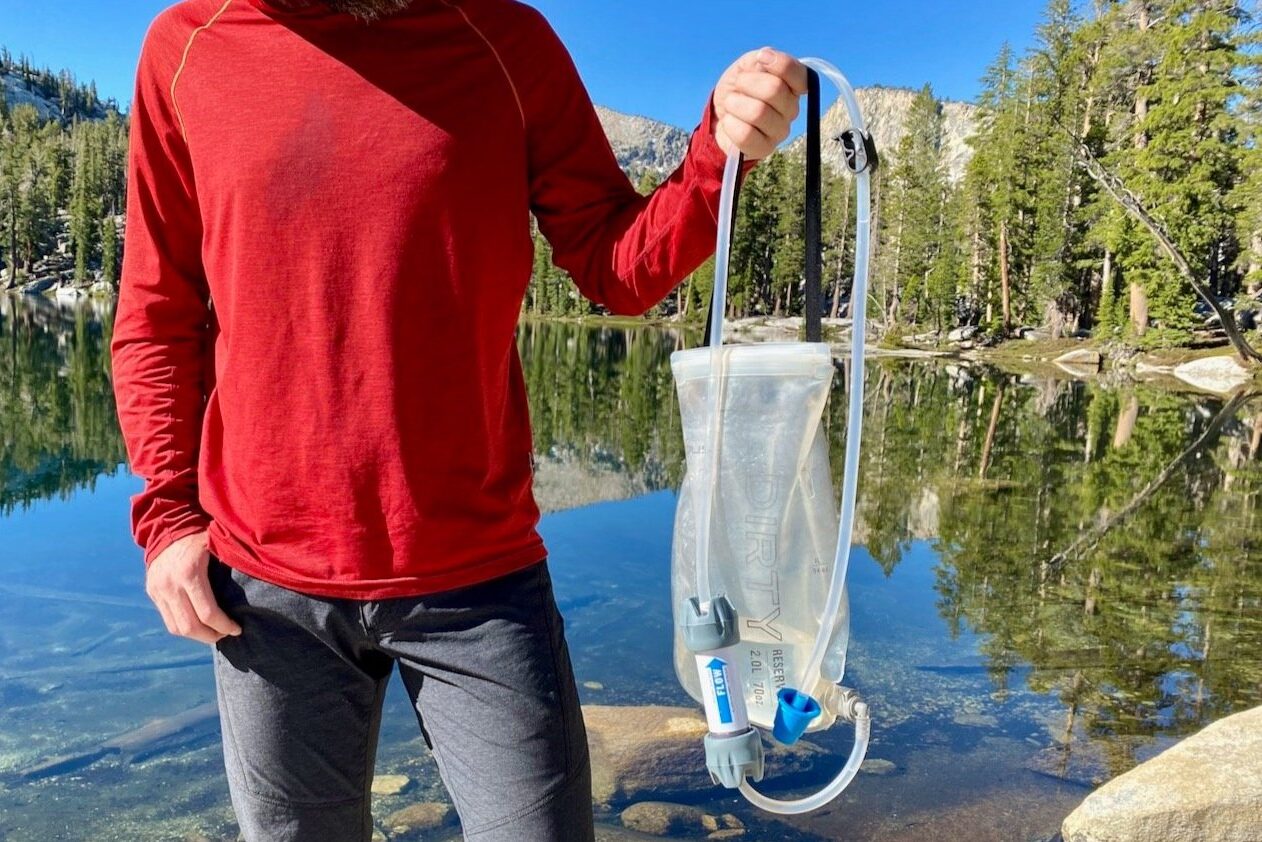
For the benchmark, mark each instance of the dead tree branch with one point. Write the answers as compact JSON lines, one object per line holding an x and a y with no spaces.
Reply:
{"x":1132,"y":204}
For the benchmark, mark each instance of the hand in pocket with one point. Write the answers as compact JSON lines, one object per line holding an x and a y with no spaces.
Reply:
{"x":178,"y":583}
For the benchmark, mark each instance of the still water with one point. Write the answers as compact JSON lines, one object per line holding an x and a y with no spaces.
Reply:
{"x":1055,"y":580}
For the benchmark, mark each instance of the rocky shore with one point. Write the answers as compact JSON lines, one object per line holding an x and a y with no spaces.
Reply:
{"x":1210,"y":366}
{"x":1207,"y":788}
{"x":53,"y":275}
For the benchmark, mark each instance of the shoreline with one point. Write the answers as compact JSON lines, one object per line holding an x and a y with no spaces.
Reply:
{"x":1198,"y":367}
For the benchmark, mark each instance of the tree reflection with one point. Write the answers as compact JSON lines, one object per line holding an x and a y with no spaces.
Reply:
{"x":1151,"y":624}
{"x":59,"y":430}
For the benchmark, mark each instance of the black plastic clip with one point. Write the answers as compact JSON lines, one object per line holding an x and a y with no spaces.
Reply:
{"x":860,"y":151}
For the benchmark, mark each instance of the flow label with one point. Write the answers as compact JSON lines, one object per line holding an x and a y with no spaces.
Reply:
{"x":722,"y":690}
{"x":718,"y":680}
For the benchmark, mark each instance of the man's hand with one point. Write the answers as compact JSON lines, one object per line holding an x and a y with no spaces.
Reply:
{"x":756,"y":101}
{"x":178,"y":584}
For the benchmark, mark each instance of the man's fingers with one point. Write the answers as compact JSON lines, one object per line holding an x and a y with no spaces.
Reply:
{"x":186,"y":621}
{"x":759,"y":114}
{"x":751,"y":60}
{"x":785,"y":66}
{"x":208,"y":611}
{"x":754,"y":143}
{"x":770,"y":89}
{"x":164,"y":612}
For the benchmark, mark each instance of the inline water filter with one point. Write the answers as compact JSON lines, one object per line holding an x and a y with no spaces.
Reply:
{"x":760,"y":553}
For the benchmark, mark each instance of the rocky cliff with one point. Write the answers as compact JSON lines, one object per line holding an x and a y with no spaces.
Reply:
{"x":643,"y":145}
{"x":885,"y":110}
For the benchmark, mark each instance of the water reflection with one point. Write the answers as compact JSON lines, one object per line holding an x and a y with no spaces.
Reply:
{"x":1063,"y":578}
{"x":57,"y":415}
{"x":1103,"y":538}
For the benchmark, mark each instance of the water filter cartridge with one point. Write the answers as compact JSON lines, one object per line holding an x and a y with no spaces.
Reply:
{"x":722,"y":691}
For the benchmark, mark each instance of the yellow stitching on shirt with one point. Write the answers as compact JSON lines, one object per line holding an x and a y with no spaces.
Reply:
{"x":508,"y":76}
{"x":184,"y":59}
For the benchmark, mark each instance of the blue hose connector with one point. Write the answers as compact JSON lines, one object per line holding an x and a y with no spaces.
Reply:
{"x":793,"y":715}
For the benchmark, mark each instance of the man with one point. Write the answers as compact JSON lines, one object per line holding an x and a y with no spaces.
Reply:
{"x":328,"y":242}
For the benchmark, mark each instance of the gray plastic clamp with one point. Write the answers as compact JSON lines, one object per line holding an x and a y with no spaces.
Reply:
{"x":716,"y":629}
{"x":733,"y":757}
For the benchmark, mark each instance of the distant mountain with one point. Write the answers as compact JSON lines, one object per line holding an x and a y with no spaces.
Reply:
{"x":885,"y":112}
{"x":643,"y":145}
{"x":640,"y":144}
{"x":47,"y":92}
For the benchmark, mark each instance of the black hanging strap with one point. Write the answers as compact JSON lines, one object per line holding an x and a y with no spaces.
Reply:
{"x":814,"y":218}
{"x":814,"y":213}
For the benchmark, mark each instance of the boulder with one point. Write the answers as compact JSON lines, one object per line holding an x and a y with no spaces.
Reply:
{"x":39,"y":286}
{"x":658,"y":749}
{"x":1207,"y":788}
{"x":1220,"y":375}
{"x":962,"y":334}
{"x":1081,"y":358}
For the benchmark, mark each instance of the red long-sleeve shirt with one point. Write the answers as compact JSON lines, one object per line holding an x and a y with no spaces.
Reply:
{"x":327,"y":247}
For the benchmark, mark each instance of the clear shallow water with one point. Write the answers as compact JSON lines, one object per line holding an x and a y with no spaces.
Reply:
{"x":1007,"y":665}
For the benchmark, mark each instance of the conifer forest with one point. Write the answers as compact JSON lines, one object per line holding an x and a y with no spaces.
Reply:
{"x":1163,"y":94}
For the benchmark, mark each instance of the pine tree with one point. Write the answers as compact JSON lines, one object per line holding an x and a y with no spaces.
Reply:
{"x":917,"y":189}
{"x":995,"y":181}
{"x":1060,"y":67}
{"x":109,"y":250}
{"x":789,"y":246}
{"x":1185,"y":157}
{"x":84,"y":213}
{"x":754,"y":248}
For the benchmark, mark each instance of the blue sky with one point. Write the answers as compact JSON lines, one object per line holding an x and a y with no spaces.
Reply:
{"x":653,"y":57}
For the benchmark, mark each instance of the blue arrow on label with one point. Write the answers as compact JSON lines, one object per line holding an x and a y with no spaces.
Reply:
{"x":718,"y":679}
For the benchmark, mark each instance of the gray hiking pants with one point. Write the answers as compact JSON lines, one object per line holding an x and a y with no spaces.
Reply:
{"x":487,"y":668}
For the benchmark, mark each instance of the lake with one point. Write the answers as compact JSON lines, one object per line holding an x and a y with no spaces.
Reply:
{"x":1053,"y":581}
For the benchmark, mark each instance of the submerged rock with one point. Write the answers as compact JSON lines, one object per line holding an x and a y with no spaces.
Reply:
{"x":1207,"y":788}
{"x":390,"y":784}
{"x":658,"y":749}
{"x":1083,"y":764}
{"x":613,"y":833}
{"x":876,"y":766}
{"x":662,"y":818}
{"x":417,"y":818}
{"x":972,"y":719}
{"x":1213,"y":374}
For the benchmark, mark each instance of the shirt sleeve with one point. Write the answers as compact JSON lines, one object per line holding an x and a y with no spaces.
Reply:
{"x":625,"y":251}
{"x":159,"y":349}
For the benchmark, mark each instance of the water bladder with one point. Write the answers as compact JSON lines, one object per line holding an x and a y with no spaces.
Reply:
{"x":760,"y":553}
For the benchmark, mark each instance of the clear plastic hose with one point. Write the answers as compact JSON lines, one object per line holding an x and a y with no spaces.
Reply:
{"x":817,"y":799}
{"x":854,"y":424}
{"x":718,"y":307}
